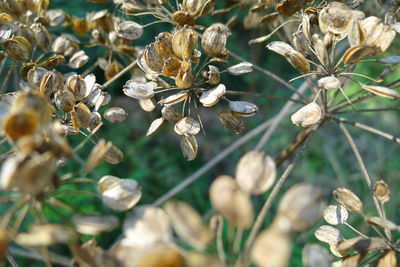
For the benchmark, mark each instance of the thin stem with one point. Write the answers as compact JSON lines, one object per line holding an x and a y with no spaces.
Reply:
{"x":57,"y":259}
{"x":220,"y":245}
{"x":355,"y":230}
{"x":264,"y":95}
{"x":238,"y":240}
{"x":367,"y":110}
{"x":119,"y":74}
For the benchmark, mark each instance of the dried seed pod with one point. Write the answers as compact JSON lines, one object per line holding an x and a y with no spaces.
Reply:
{"x":22,"y":123}
{"x":115,"y":114}
{"x":78,"y":59}
{"x":297,"y":60}
{"x":95,"y":120}
{"x":356,"y":53}
{"x":378,"y":221}
{"x":227,"y":198}
{"x":187,"y":126}
{"x":130,"y":30}
{"x":231,"y":121}
{"x":185,"y":77}
{"x":163,"y":45}
{"x":97,"y":154}
{"x":154,"y":126}
{"x":147,"y":226}
{"x":55,"y":17}
{"x":189,"y":147}
{"x":94,"y":224}
{"x":212,"y":75}
{"x":54,"y":61}
{"x":161,"y":257}
{"x":65,"y":44}
{"x":148,"y":105}
{"x":77,"y":85}
{"x":255,"y":172}
{"x":280,"y":48}
{"x":335,"y":214}
{"x":65,"y":100}
{"x":46,"y":235}
{"x":271,"y":248}
{"x":111,"y":70}
{"x":114,"y":155}
{"x":196,"y":259}
{"x":328,"y":234}
{"x":381,"y":91}
{"x":4,"y":241}
{"x":315,"y":255}
{"x":377,"y":34}
{"x":388,"y":259}
{"x":211,"y":97}
{"x":348,"y":199}
{"x":362,"y":244}
{"x":382,"y":191}
{"x":18,"y":48}
{"x":183,"y":18}
{"x":356,"y":34}
{"x":171,"y":114}
{"x":320,"y":50}
{"x":42,"y":36}
{"x":184,"y":42}
{"x":172,"y":66}
{"x":214,"y":40}
{"x":329,"y":83}
{"x":306,"y":116}
{"x":240,"y":69}
{"x":119,"y":194}
{"x":188,"y":224}
{"x":302,"y":205}
{"x":198,"y":8}
{"x":174,"y":99}
{"x":139,"y":90}
{"x":335,"y":18}
{"x":80,"y":116}
{"x":243,"y":108}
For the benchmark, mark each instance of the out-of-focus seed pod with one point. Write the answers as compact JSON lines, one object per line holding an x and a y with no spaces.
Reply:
{"x":189,"y":147}
{"x":308,"y":115}
{"x":94,"y":224}
{"x":382,"y":191}
{"x":255,"y":172}
{"x":172,"y":66}
{"x":114,"y":155}
{"x":188,"y":224}
{"x":112,"y":69}
{"x":174,"y":99}
{"x":54,"y":61}
{"x":320,"y":50}
{"x":35,"y":101}
{"x":42,"y":36}
{"x":80,"y":116}
{"x":211,"y":97}
{"x":154,"y":126}
{"x":97,"y":154}
{"x":148,"y":105}
{"x":231,"y":121}
{"x":21,"y":123}
{"x":378,"y":221}
{"x":196,"y":259}
{"x":55,"y":17}
{"x":163,"y":45}
{"x":302,"y":205}
{"x":161,"y":257}
{"x":78,"y":59}
{"x":80,"y":26}
{"x":139,"y":90}
{"x":130,"y":30}
{"x":348,"y":199}
{"x":315,"y":255}
{"x":328,"y":234}
{"x":388,"y":259}
{"x":271,"y":248}
{"x":381,"y":91}
{"x":212,"y":75}
{"x":4,"y":240}
{"x":227,"y":198}
{"x":94,"y":120}
{"x":183,"y":18}
{"x":185,"y":78}
{"x":243,"y":108}
{"x":214,"y":40}
{"x":198,"y":8}
{"x":335,"y":214}
{"x":18,"y":48}
{"x":187,"y":126}
{"x":115,"y":114}
{"x":65,"y":100}
{"x":171,"y":114}
{"x":77,"y":85}
{"x":184,"y":42}
{"x":119,"y":194}
{"x":46,"y":235}
{"x":329,"y":83}
{"x":335,"y":18}
{"x":338,"y":253}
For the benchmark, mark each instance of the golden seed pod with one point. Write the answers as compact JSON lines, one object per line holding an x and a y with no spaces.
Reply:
{"x":315,"y":255}
{"x":329,"y":83}
{"x":335,"y":214}
{"x":356,"y":34}
{"x":54,"y":61}
{"x":377,"y":34}
{"x":171,"y":114}
{"x":161,"y":257}
{"x":4,"y":241}
{"x":198,"y":8}
{"x":335,"y":18}
{"x":320,"y":50}
{"x":112,"y":69}
{"x":381,"y":91}
{"x":115,"y":114}
{"x":185,"y":77}
{"x":388,"y":259}
{"x":77,"y":85}
{"x":163,"y":45}
{"x":154,"y":126}
{"x":227,"y":198}
{"x":80,"y":116}
{"x":94,"y":120}
{"x":280,"y":48}
{"x":231,"y":121}
{"x":97,"y":154}
{"x":356,"y":53}
{"x":45,"y":235}
{"x":271,"y":248}
{"x":55,"y":17}
{"x":348,"y":199}
{"x":187,"y":126}
{"x":383,"y":223}
{"x":148,"y":105}
{"x":172,"y":67}
{"x":255,"y":172}
{"x":306,"y":116}
{"x":196,"y":259}
{"x":94,"y":224}
{"x":189,"y":147}
{"x":188,"y":224}
{"x":212,"y":75}
{"x":65,"y":100}
{"x":18,"y":48}
{"x":184,"y":42}
{"x":114,"y":155}
{"x":243,"y":108}
{"x":139,"y":90}
{"x":36,"y":101}
{"x":42,"y":36}
{"x":80,"y":26}
{"x":362,"y":244}
{"x":78,"y":59}
{"x":20,"y":123}
{"x":297,"y":60}
{"x":302,"y":205}
{"x":328,"y":234}
{"x":183,"y":18}
{"x":382,"y":191}
{"x":214,"y":40}
{"x":35,"y":76}
{"x":153,"y":60}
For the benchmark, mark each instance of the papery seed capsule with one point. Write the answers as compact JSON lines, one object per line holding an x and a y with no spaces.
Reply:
{"x":315,"y":255}
{"x":78,"y":59}
{"x":95,"y":119}
{"x":148,"y":105}
{"x":189,"y":147}
{"x":154,"y":126}
{"x":80,"y":116}
{"x":163,"y":45}
{"x":348,"y":199}
{"x":183,"y":18}
{"x":65,"y":44}
{"x":198,"y":8}
{"x":356,"y":53}
{"x":114,"y":155}
{"x":171,"y":114}
{"x":35,"y":76}
{"x":174,"y":99}
{"x":172,"y":66}
{"x":280,"y":48}
{"x":77,"y":85}
{"x":54,"y":61}
{"x":115,"y":114}
{"x":152,"y":59}
{"x":211,"y":97}
{"x":240,"y":69}
{"x":320,"y":50}
{"x":187,"y":126}
{"x":382,"y":191}
{"x":42,"y":235}
{"x":214,"y":40}
{"x":139,"y":90}
{"x":328,"y":234}
{"x":329,"y":83}
{"x":243,"y":108}
{"x":4,"y":241}
{"x":335,"y":214}
{"x":18,"y":49}
{"x":185,"y":77}
{"x":231,"y":121}
{"x":97,"y":154}
{"x":335,"y":18}
{"x":55,"y":16}
{"x":42,"y":36}
{"x":20,"y":123}
{"x":297,"y":60}
{"x":212,"y":75}
{"x":111,"y":70}
{"x":184,"y":42}
{"x":381,"y":91}
{"x":130,"y":30}
{"x":65,"y":100}
{"x":94,"y":224}
{"x":306,"y":116}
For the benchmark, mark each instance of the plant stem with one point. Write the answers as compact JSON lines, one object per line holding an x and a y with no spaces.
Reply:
{"x":119,"y":74}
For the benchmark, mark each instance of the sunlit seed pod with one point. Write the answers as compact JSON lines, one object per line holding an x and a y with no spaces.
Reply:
{"x":94,"y":120}
{"x":54,"y":61}
{"x":163,"y":45}
{"x":183,"y":18}
{"x":185,"y":77}
{"x":111,"y":70}
{"x":335,"y":214}
{"x":20,"y":123}
{"x":227,"y":199}
{"x":130,"y":30}
{"x":80,"y":26}
{"x":45,"y":235}
{"x":243,"y":108}
{"x":348,"y":199}
{"x":171,"y":114}
{"x":184,"y":42}
{"x":174,"y":99}
{"x":280,"y":48}
{"x":212,"y":75}
{"x":139,"y":90}
{"x":320,"y":50}
{"x":356,"y":53}
{"x":297,"y":60}
{"x":356,"y":34}
{"x":328,"y":234}
{"x":381,"y":191}
{"x":119,"y":194}
{"x":7,"y":30}
{"x":388,"y":259}
{"x":94,"y":98}
{"x":188,"y":224}
{"x":65,"y":44}
{"x":255,"y":172}
{"x":94,"y":224}
{"x":16,"y":49}
{"x":380,"y":222}
{"x":381,"y":91}
{"x":42,"y":36}
{"x":171,"y":66}
{"x":214,"y":39}
{"x":302,"y":205}
{"x":377,"y":34}
{"x":115,"y":114}
{"x":148,"y":105}
{"x":189,"y":147}
{"x":329,"y":83}
{"x":55,"y":17}
{"x":97,"y":155}
{"x":335,"y":18}
{"x":198,"y":8}
{"x":80,"y":116}
{"x":78,"y":59}
{"x":196,"y":259}
{"x":65,"y":100}
{"x":211,"y":97}
{"x":187,"y":126}
{"x":147,"y":226}
{"x":153,"y":60}
{"x":231,"y":121}
{"x":4,"y":241}
{"x":47,"y":84}
{"x":308,"y":115}
{"x":154,"y":126}
{"x":272,"y":248}
{"x":315,"y":255}
{"x":240,"y":69}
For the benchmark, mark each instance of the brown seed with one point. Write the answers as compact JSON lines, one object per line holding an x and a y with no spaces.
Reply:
{"x":115,"y":114}
{"x":348,"y":199}
{"x":65,"y":100}
{"x":80,"y":116}
{"x":130,"y":30}
{"x":214,"y":40}
{"x":18,"y":124}
{"x":154,"y":126}
{"x":17,"y":49}
{"x":189,"y":147}
{"x":171,"y":66}
{"x":231,"y":121}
